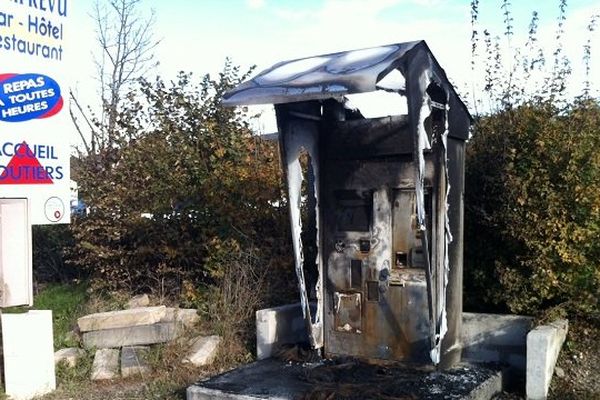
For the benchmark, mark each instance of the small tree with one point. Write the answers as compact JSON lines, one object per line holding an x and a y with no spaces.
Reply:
{"x":126,"y":52}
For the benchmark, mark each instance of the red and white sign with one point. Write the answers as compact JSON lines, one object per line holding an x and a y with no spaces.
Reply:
{"x":34,"y":123}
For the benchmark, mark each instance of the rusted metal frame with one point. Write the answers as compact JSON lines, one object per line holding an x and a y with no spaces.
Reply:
{"x":296,"y":136}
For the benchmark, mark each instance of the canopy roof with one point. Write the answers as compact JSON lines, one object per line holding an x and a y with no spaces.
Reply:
{"x":324,"y":76}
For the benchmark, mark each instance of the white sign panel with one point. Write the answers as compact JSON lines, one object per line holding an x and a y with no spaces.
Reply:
{"x":34,"y":121}
{"x":16,"y":288}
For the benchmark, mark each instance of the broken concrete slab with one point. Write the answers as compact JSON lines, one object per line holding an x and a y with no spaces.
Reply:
{"x":121,"y":319}
{"x":69,"y":356}
{"x":543,"y":346}
{"x":141,"y":300}
{"x":133,"y":336}
{"x":134,"y":361}
{"x":106,"y":364}
{"x":280,"y":380}
{"x":203,"y":350}
{"x":184,"y":317}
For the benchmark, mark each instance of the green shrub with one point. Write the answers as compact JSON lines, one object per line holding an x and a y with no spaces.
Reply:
{"x":187,"y":172}
{"x":533,"y":209}
{"x":50,"y":244}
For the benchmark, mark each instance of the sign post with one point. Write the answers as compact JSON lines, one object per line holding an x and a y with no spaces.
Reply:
{"x":34,"y":175}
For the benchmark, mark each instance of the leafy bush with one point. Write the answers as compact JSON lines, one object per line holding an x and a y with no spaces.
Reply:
{"x":532,"y":180}
{"x":533,"y":208}
{"x":187,"y":172}
{"x":50,"y":242}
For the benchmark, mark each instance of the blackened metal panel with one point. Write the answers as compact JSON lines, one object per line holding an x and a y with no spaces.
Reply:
{"x":298,"y":135}
{"x":369,"y":138}
{"x":422,"y":71}
{"x":394,"y":308}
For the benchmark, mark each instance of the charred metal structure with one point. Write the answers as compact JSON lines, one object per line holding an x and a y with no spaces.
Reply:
{"x":381,"y":255}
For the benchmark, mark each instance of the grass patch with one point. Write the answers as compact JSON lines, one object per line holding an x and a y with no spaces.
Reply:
{"x":66,"y":303}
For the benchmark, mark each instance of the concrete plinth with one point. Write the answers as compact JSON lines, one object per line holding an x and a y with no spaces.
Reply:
{"x":495,"y":338}
{"x":278,"y":326}
{"x":274,"y":379}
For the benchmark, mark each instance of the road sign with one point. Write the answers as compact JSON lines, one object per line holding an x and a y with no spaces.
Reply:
{"x":34,"y":122}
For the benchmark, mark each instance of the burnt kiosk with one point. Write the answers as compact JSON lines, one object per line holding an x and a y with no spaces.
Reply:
{"x":382,"y":206}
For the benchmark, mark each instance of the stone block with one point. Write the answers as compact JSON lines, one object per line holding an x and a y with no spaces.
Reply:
{"x":203,"y":350}
{"x":106,"y":365}
{"x":134,"y":361}
{"x":141,"y":300}
{"x":543,"y":346}
{"x":134,"y":336}
{"x":69,"y":356}
{"x":184,"y":317}
{"x":277,"y":326}
{"x":28,"y":354}
{"x":121,"y":319}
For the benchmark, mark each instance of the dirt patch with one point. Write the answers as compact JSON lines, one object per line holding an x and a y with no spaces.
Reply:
{"x":577,"y":372}
{"x":577,"y":375}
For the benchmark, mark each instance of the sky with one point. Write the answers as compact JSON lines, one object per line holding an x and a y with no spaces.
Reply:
{"x":197,"y":35}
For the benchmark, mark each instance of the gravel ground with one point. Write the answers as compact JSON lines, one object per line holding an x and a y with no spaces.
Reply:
{"x":577,"y":375}
{"x":577,"y":372}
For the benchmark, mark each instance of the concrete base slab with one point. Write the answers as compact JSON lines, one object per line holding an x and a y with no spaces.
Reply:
{"x":279,"y":380}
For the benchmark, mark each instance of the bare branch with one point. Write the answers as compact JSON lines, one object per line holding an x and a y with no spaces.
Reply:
{"x":126,"y":48}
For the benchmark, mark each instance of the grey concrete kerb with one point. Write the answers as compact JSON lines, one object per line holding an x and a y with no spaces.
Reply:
{"x":543,"y":346}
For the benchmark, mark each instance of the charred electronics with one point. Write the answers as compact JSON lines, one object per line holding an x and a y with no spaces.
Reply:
{"x":382,"y":206}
